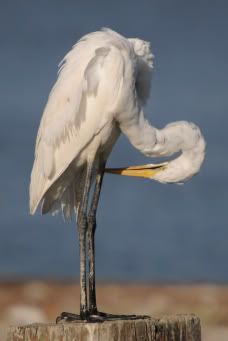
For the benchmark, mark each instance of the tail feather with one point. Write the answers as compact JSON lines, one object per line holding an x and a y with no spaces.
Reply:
{"x":55,"y":202}
{"x":64,"y":195}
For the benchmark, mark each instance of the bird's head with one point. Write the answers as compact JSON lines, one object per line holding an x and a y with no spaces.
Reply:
{"x":184,"y":137}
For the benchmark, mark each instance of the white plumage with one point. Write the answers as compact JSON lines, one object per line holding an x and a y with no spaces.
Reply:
{"x":103,"y":84}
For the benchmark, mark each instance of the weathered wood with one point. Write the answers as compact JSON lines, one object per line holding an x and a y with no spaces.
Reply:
{"x":167,"y":328}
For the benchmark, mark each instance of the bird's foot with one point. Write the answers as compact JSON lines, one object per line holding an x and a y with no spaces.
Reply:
{"x":111,"y":317}
{"x":84,"y":316}
{"x":96,"y":316}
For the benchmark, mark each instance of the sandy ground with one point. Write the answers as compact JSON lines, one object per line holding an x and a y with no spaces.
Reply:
{"x":38,"y":301}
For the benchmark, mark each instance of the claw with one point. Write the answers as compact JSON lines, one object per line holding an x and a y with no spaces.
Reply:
{"x":68,"y":317}
{"x":58,"y":319}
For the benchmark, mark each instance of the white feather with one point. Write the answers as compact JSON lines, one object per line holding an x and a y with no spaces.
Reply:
{"x":74,"y":114}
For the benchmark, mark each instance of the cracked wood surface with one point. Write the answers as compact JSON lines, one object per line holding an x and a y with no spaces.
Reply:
{"x":166,"y":328}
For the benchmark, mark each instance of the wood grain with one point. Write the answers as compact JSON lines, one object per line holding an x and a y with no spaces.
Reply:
{"x":166,"y":328}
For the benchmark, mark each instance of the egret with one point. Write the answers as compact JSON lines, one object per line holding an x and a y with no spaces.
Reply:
{"x":102,"y":87}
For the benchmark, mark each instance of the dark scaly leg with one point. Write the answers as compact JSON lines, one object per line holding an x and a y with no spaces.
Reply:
{"x":90,"y":239}
{"x":82,"y":229}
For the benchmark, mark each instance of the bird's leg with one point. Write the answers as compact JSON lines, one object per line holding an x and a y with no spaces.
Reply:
{"x":82,"y":229}
{"x":91,"y":245}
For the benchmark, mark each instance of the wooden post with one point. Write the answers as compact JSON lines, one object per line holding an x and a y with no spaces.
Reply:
{"x":166,"y":328}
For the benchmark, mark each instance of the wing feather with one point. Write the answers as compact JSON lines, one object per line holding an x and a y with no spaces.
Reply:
{"x":94,"y":69}
{"x":81,"y":103}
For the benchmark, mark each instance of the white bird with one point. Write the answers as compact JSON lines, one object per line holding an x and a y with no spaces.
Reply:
{"x":102,"y":87}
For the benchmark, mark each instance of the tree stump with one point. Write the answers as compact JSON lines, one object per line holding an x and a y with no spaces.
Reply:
{"x":166,"y":328}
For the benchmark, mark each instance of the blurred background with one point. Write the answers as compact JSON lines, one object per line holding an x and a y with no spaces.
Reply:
{"x":147,"y":232}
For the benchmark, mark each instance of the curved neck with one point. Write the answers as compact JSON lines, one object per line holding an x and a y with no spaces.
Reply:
{"x":177,"y":136}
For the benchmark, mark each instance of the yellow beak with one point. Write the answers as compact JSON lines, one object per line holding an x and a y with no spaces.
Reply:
{"x":144,"y":171}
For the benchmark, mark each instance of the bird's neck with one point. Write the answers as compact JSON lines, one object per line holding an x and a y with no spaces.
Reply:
{"x":178,"y":136}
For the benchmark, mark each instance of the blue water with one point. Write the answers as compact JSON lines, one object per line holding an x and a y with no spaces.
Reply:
{"x":146,"y":231}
